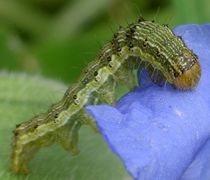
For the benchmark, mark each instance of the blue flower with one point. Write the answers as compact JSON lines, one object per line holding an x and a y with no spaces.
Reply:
{"x":160,"y":132}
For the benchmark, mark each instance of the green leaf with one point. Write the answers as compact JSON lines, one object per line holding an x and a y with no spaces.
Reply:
{"x":22,"y":97}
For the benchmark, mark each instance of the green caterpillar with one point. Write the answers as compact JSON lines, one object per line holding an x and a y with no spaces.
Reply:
{"x":144,"y":43}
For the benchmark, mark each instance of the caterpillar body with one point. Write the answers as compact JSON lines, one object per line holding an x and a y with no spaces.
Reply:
{"x":143,"y":43}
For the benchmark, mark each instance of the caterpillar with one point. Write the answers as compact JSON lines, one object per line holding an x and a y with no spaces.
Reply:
{"x":143,"y":43}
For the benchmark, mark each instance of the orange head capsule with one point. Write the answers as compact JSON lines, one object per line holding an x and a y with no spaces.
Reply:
{"x":191,"y":71}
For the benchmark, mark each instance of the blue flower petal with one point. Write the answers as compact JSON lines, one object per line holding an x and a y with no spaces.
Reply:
{"x":160,"y":132}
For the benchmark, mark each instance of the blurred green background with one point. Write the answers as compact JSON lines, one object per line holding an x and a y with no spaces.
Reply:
{"x":57,"y":38}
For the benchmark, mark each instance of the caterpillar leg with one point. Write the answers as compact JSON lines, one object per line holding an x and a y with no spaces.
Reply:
{"x":23,"y":152}
{"x":156,"y":76}
{"x":86,"y":119}
{"x":106,"y":93}
{"x":68,"y":136}
{"x":20,"y":161}
{"x":126,"y":77}
{"x":75,"y":137}
{"x":63,"y":136}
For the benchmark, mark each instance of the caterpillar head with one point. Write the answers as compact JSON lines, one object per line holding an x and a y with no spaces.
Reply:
{"x":191,"y":70}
